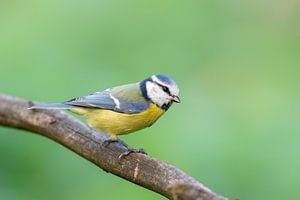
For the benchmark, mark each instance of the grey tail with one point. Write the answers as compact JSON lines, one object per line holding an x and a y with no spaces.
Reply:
{"x":52,"y":106}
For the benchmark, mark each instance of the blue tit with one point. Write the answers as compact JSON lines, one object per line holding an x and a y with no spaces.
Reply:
{"x":126,"y":108}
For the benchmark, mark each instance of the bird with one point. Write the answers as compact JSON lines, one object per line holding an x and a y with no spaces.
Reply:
{"x":123,"y":109}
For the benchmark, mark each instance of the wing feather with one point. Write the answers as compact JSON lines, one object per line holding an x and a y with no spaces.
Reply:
{"x":111,"y":101}
{"x":96,"y":100}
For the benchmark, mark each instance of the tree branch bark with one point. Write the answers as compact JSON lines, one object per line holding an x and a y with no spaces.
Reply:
{"x":140,"y":169}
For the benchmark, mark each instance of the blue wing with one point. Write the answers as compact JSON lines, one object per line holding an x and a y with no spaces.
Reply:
{"x":95,"y":100}
{"x":106,"y":100}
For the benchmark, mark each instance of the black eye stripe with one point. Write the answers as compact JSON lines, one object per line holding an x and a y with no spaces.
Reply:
{"x":165,"y":89}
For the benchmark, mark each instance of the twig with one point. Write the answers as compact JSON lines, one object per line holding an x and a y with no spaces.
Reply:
{"x":140,"y":169}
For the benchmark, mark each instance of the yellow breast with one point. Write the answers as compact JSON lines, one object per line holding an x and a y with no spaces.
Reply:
{"x":114,"y":123}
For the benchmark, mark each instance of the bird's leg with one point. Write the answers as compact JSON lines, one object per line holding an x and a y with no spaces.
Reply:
{"x":113,"y":139}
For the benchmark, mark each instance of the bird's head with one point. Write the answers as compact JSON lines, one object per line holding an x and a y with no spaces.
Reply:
{"x":161,"y":90}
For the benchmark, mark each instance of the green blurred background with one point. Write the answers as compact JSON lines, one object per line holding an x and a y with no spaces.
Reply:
{"x":237,"y":64}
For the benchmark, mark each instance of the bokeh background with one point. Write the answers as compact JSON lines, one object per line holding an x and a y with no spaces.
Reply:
{"x":237,"y":64}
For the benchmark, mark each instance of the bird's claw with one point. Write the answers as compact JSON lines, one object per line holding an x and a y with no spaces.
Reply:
{"x":107,"y":142}
{"x":129,"y":151}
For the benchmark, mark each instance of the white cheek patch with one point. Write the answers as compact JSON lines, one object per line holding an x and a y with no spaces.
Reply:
{"x":173,"y":89}
{"x":156,"y":94}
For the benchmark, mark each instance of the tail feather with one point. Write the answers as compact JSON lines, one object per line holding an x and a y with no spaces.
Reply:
{"x":52,"y":106}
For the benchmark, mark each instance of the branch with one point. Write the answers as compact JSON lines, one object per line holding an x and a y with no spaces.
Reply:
{"x":140,"y":169}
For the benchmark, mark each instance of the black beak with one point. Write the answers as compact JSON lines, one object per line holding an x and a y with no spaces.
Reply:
{"x":176,"y":99}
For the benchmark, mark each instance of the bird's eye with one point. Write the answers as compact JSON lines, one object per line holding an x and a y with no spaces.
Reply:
{"x":165,"y":89}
